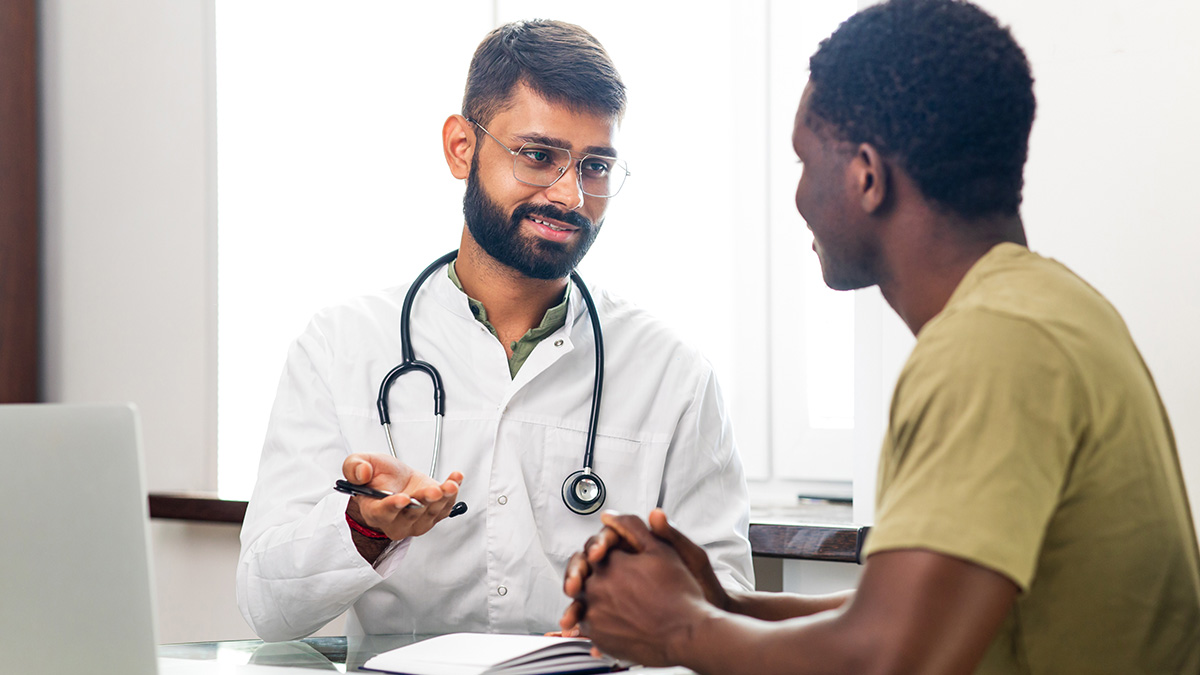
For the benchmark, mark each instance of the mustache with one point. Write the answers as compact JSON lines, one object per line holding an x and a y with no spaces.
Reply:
{"x":551,"y":211}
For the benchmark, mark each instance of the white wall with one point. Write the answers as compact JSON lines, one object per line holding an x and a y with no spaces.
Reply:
{"x":1108,"y":188}
{"x":1110,"y":182}
{"x":130,"y":201}
{"x":128,"y":295}
{"x":128,"y":204}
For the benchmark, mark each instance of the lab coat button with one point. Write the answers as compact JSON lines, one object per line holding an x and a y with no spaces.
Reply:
{"x":558,"y":343}
{"x":503,"y":500}
{"x":502,"y":591}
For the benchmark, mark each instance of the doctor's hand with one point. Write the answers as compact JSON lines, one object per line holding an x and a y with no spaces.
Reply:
{"x":642,"y":600}
{"x":391,"y":515}
{"x":618,"y":533}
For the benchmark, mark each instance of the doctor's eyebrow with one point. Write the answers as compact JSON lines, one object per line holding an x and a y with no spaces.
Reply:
{"x":604,"y":150}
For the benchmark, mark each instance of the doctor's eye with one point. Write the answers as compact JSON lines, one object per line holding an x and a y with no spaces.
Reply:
{"x":595,"y":167}
{"x":536,"y":155}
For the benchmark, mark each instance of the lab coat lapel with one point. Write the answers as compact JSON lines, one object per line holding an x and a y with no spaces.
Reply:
{"x":467,"y":347}
{"x":554,"y":347}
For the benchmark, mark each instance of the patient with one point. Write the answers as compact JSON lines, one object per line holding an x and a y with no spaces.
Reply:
{"x":1031,"y":512}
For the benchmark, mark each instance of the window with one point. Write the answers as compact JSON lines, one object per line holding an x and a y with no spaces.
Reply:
{"x":331,"y":183}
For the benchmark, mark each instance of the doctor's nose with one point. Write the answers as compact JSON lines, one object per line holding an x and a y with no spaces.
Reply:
{"x":567,"y":191}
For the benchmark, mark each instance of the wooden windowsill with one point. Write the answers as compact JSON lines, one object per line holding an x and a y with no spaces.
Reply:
{"x":799,"y":540}
{"x":199,"y":506}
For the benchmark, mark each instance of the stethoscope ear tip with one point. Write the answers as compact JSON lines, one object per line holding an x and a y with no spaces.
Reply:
{"x":458,"y":509}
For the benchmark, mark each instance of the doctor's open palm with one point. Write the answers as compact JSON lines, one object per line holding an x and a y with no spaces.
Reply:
{"x":392,"y":515}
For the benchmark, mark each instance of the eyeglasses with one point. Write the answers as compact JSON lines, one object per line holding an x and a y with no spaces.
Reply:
{"x":543,"y":165}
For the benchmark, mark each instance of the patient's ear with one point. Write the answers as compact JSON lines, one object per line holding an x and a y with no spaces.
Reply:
{"x":458,"y":142}
{"x":870,"y":174}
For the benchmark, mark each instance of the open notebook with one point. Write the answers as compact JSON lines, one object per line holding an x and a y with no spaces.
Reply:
{"x":74,"y":569}
{"x":491,"y":654}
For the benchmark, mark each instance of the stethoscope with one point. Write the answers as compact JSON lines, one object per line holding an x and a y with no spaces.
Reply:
{"x":583,"y":492}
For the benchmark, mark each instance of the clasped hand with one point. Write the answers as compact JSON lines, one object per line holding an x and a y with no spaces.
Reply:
{"x":391,"y":515}
{"x":637,"y":591}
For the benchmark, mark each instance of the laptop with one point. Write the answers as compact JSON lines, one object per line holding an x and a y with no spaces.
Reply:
{"x":75,"y":586}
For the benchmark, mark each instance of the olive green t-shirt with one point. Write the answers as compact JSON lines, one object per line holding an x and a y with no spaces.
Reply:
{"x":1026,"y":436}
{"x":555,"y":318}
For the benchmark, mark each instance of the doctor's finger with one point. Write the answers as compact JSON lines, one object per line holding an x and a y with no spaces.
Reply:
{"x":417,"y":522}
{"x":632,"y":529}
{"x":438,"y":510}
{"x":438,"y":496}
{"x":451,"y":485}
{"x":395,"y":506}
{"x":429,"y":495}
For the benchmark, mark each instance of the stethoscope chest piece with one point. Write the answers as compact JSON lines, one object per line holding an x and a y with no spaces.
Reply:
{"x":583,"y":492}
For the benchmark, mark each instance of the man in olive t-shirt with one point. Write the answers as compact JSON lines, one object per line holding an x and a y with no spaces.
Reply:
{"x":1026,"y":436}
{"x":1031,"y":513}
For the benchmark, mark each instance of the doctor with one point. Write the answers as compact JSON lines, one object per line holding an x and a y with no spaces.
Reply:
{"x":513,"y":341}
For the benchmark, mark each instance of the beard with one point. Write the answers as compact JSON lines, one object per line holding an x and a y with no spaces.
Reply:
{"x":501,"y":236}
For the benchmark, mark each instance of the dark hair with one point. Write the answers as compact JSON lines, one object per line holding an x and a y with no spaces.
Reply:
{"x":560,"y":61}
{"x":940,"y":87}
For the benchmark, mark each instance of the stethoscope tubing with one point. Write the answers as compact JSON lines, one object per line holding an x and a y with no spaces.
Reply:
{"x":410,"y":363}
{"x":598,"y":378}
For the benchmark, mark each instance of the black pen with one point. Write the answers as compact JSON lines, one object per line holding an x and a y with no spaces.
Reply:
{"x":364,"y":491}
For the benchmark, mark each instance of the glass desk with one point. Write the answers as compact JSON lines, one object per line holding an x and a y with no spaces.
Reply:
{"x":338,"y":654}
{"x":330,"y":654}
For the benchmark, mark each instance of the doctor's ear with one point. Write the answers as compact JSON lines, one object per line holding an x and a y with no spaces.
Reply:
{"x":458,"y":143}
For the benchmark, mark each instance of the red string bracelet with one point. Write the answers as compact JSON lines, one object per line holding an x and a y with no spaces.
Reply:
{"x":363,"y":529}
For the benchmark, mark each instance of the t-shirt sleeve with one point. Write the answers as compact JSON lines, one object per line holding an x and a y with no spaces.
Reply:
{"x":984,"y":423}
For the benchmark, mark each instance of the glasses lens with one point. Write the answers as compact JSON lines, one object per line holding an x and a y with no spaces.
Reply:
{"x":602,"y":176}
{"x":540,"y":165}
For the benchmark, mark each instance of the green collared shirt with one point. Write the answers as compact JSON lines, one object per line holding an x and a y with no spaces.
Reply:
{"x":555,"y":318}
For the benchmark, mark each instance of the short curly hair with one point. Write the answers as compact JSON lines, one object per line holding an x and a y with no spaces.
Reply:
{"x":938,"y":86}
{"x":560,"y":61}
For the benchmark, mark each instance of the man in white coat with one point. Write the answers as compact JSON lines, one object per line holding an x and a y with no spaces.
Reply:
{"x":513,"y":341}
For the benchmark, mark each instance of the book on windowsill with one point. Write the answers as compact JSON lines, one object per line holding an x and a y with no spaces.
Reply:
{"x":493,"y":654}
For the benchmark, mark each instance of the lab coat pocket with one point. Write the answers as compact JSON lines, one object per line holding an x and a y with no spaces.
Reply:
{"x":630,"y":469}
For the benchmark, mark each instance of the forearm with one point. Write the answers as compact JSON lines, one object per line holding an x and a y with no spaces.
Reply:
{"x":368,"y":547}
{"x":295,"y":577}
{"x":915,"y":611}
{"x":782,"y":606}
{"x":728,"y":644}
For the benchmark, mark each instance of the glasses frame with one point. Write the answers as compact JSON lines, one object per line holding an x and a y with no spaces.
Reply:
{"x":617,"y":163}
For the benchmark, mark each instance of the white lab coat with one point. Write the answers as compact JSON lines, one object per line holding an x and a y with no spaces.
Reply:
{"x":664,"y":439}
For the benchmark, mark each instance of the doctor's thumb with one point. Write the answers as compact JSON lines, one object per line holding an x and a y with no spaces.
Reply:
{"x":358,"y":470}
